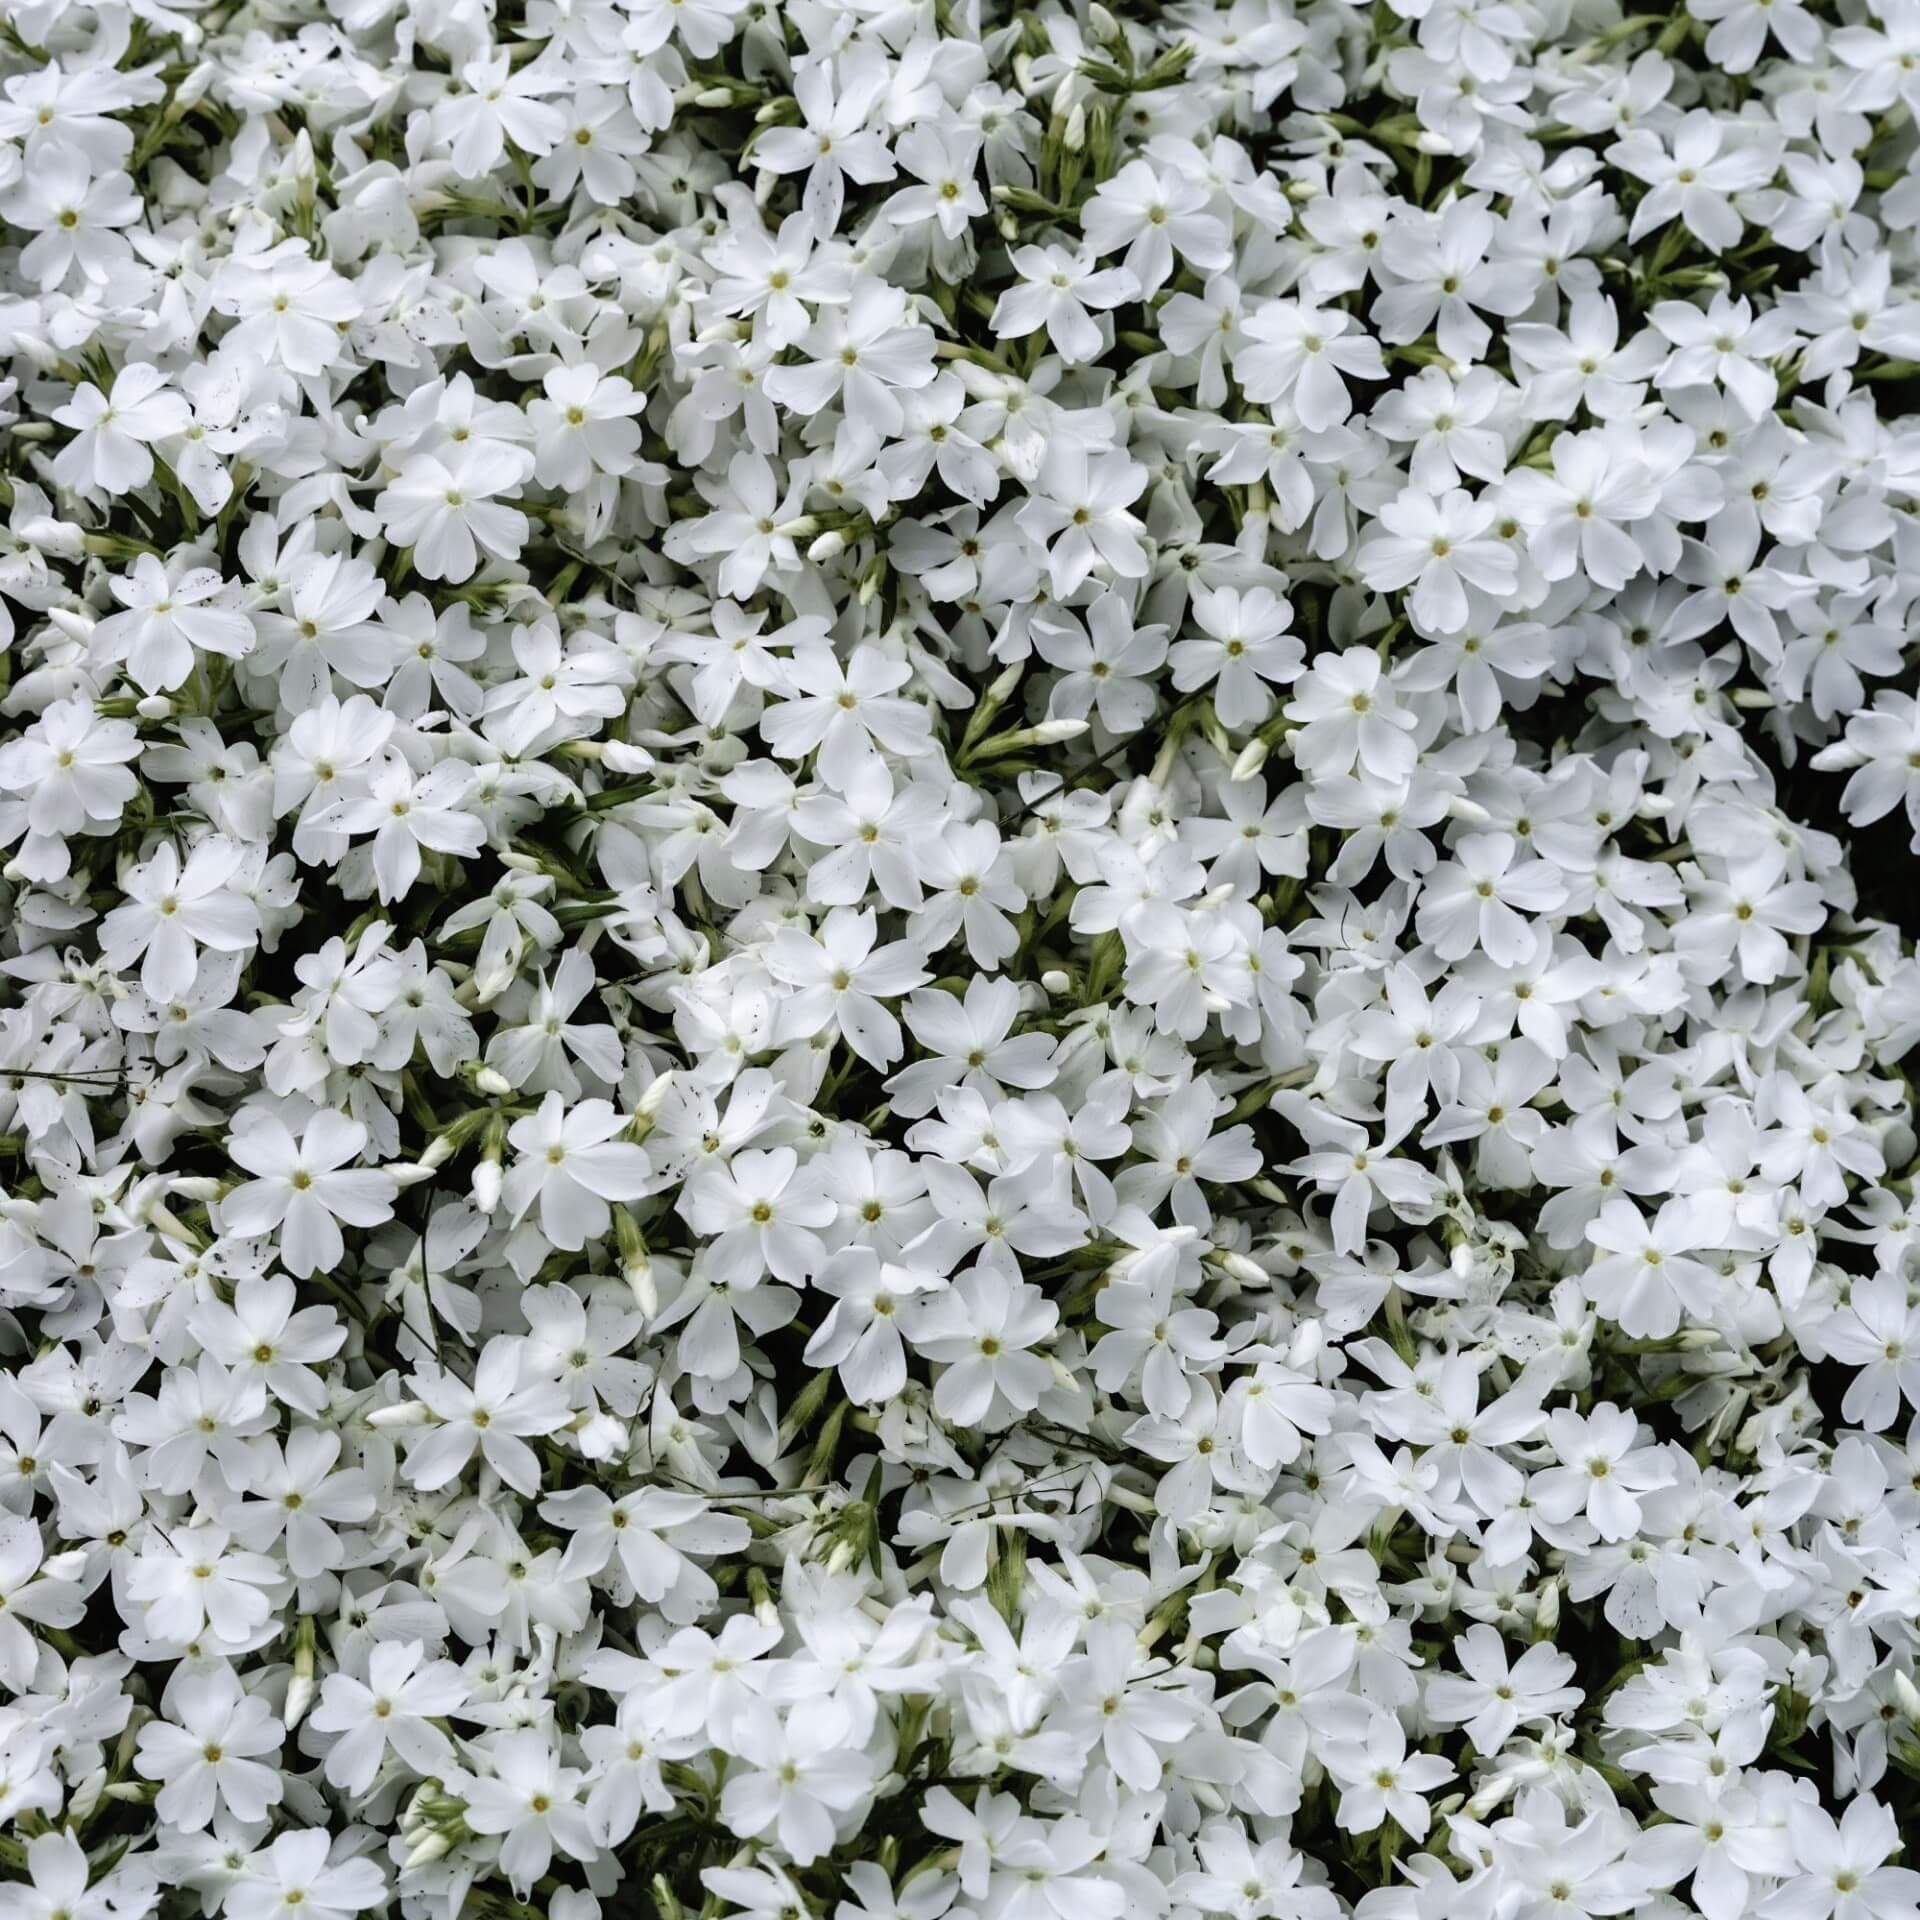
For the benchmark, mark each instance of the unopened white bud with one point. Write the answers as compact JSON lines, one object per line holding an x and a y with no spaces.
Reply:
{"x":1489,"y":1797}
{"x":72,"y":622}
{"x":403,"y":1413}
{"x":87,"y":1795}
{"x":1250,"y":1273}
{"x":646,"y":1291}
{"x":300,"y":1691}
{"x":1546,"y":1616}
{"x":161,"y":1218}
{"x":1906,"y":1697}
{"x":1304,"y":1350}
{"x":192,"y":90}
{"x":487,"y":1181}
{"x":432,"y":1848}
{"x":439,"y":1151}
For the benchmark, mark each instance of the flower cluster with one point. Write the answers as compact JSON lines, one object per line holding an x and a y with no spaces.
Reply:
{"x":955,"y":960}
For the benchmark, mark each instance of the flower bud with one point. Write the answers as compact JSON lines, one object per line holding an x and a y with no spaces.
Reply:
{"x":87,"y":1796}
{"x":440,"y":1149}
{"x":1906,"y":1697}
{"x":1250,"y":1273}
{"x":432,"y":1848}
{"x":487,"y":1181}
{"x":403,"y":1413}
{"x":1546,"y":1617}
{"x":300,"y":1689}
{"x":192,"y":90}
{"x":74,"y":624}
{"x":1250,"y":759}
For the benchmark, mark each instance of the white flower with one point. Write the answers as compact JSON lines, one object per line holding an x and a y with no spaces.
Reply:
{"x":534,"y":1801}
{"x":69,"y":770}
{"x":76,"y":214}
{"x":796,"y":1777}
{"x":298,"y":1882}
{"x":1603,"y":1472}
{"x":835,"y":144}
{"x":447,"y":513}
{"x":32,"y":1590}
{"x":1306,"y":354}
{"x":174,"y":910}
{"x":63,"y":1882}
{"x":206,"y":1753}
{"x":304,"y":1188}
{"x":1379,"y":1780}
{"x":1154,"y":214}
{"x":114,"y":432}
{"x":1081,"y":507}
{"x":573,"y":1166}
{"x":1440,"y":547}
{"x":394,"y":1708}
{"x":1496,"y":1695}
{"x":406,"y":811}
{"x":982,"y":1329}
{"x":488,"y":1415}
{"x":167,"y":617}
{"x":957,"y":962}
{"x":1056,"y":292}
